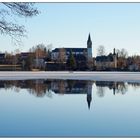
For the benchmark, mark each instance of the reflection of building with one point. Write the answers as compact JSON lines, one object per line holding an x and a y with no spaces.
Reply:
{"x":73,"y":87}
{"x":110,"y":84}
{"x":43,"y":88}
{"x":2,"y":84}
{"x":69,"y":86}
{"x":89,"y":93}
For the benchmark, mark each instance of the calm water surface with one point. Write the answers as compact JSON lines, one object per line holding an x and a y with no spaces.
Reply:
{"x":57,"y":108}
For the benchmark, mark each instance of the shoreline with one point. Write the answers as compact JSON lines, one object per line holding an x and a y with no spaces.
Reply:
{"x":71,"y":75}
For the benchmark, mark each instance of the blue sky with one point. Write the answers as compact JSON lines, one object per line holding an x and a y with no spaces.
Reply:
{"x":113,"y":25}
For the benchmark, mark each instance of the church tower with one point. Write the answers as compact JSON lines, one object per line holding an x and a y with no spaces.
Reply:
{"x":89,"y":47}
{"x":115,"y":58}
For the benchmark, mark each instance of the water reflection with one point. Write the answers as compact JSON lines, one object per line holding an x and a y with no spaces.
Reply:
{"x":69,"y":108}
{"x":40,"y":88}
{"x":116,"y":87}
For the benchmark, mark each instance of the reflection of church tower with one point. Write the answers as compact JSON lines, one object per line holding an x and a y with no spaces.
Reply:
{"x":89,"y":47}
{"x":89,"y":93}
{"x":114,"y":88}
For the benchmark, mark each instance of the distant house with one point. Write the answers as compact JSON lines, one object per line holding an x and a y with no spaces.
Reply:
{"x":25,"y":55}
{"x":133,"y":63}
{"x":133,"y":67}
{"x":2,"y":58}
{"x":106,"y":62}
{"x":37,"y":62}
{"x":75,"y":51}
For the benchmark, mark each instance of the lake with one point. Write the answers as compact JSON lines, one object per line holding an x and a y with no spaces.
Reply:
{"x":69,"y":108}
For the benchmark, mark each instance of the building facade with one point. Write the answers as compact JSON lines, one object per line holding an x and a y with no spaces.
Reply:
{"x":75,"y":51}
{"x":108,"y":62}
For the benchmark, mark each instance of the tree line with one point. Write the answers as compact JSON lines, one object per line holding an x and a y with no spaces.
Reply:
{"x":73,"y":62}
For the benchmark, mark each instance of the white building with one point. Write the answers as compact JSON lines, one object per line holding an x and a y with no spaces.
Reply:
{"x":75,"y":51}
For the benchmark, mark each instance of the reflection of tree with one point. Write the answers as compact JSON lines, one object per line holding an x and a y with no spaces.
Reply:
{"x":49,"y":94}
{"x":134,"y":85}
{"x":71,"y":84}
{"x":61,"y":86}
{"x":100,"y":91}
{"x":119,"y":87}
{"x":40,"y":88}
{"x":122,"y":88}
{"x":35,"y":87}
{"x":6,"y":85}
{"x":17,"y":89}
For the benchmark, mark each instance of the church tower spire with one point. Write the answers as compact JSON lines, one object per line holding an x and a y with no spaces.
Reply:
{"x":89,"y":47}
{"x":89,"y":40}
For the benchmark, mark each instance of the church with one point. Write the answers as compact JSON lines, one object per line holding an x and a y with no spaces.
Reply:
{"x":83,"y":59}
{"x":75,"y":51}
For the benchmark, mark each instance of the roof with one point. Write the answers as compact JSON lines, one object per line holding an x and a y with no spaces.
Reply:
{"x":71,"y":49}
{"x":24,"y":55}
{"x":2,"y":56}
{"x":104,"y":58}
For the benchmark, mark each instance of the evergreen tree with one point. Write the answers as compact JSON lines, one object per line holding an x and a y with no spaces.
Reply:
{"x":71,"y":61}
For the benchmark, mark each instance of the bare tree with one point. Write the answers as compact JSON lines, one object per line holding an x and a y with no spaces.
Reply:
{"x":62,"y":55}
{"x":100,"y":91}
{"x":122,"y":61}
{"x":49,"y":47}
{"x":101,"y":50}
{"x":8,"y":18}
{"x":122,"y":53}
{"x":39,"y":50}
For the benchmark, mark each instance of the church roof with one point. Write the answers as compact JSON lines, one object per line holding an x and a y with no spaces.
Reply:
{"x":104,"y":58}
{"x":2,"y":55}
{"x":71,"y":49}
